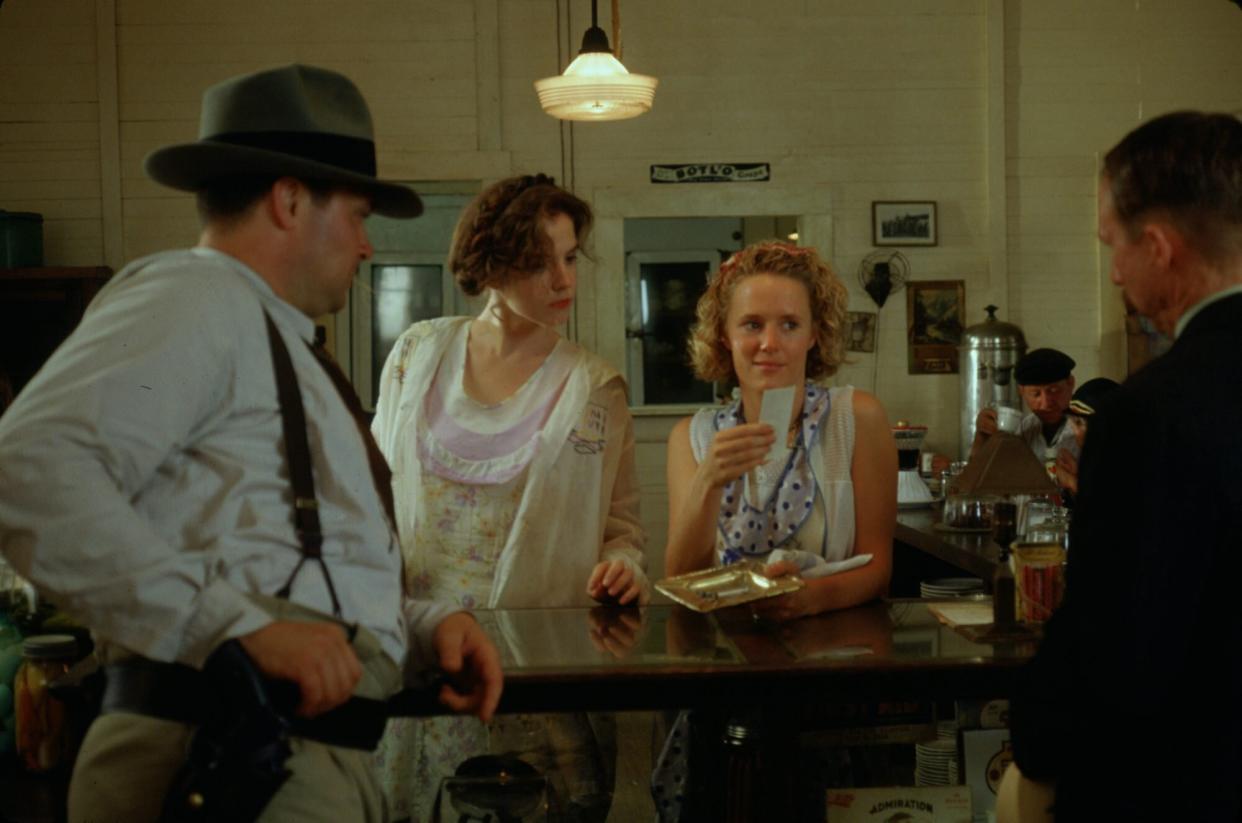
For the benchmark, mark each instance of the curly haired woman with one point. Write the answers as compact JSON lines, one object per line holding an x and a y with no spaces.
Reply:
{"x":512,"y":452}
{"x":772,"y":317}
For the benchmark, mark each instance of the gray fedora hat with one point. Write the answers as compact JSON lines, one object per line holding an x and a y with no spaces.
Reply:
{"x":300,"y":121}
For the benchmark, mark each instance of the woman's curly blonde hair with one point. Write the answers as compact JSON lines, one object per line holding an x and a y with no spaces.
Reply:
{"x":712,"y":360}
{"x":500,"y":236}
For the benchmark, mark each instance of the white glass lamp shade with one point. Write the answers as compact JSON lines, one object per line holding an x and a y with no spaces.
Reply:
{"x":596,"y":86}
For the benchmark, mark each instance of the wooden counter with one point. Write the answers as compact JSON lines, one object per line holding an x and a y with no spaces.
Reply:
{"x":922,"y":552}
{"x":862,"y":665}
{"x":666,"y":657}
{"x":760,"y":693}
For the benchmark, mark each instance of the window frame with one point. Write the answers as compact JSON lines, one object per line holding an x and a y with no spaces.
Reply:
{"x":634,"y":262}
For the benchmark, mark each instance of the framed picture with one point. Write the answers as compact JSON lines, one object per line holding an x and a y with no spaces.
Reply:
{"x":934,"y":311}
{"x":860,"y":331}
{"x":903,"y":223}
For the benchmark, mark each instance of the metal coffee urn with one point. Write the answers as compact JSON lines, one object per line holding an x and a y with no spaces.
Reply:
{"x":989,"y":351}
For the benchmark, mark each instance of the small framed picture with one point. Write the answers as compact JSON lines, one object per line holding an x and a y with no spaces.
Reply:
{"x":903,"y":223}
{"x":934,"y":311}
{"x":860,"y":331}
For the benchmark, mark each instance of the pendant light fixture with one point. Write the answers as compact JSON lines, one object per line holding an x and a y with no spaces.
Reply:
{"x":596,"y":86}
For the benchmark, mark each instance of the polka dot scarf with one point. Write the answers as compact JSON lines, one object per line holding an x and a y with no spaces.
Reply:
{"x":754,"y":532}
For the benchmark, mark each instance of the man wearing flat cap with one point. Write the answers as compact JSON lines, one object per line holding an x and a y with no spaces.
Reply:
{"x":188,"y":476}
{"x":1046,"y":382}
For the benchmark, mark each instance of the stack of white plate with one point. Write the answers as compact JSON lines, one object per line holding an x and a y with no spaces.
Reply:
{"x":948,"y":587}
{"x":947,"y":730}
{"x":935,"y":763}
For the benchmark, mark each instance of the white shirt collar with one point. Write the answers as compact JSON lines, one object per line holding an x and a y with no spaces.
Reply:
{"x":304,"y":325}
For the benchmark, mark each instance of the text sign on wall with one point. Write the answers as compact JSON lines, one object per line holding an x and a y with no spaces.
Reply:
{"x":710,"y":173}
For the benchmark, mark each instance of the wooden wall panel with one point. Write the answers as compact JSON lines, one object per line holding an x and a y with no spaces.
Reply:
{"x":888,"y":99}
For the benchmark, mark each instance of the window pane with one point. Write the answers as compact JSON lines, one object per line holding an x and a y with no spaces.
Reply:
{"x":400,"y":295}
{"x":668,"y":293}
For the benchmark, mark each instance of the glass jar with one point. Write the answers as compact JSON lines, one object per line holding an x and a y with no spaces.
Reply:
{"x":43,"y":736}
{"x":1052,"y":529}
{"x":969,"y":511}
{"x":1035,"y":512}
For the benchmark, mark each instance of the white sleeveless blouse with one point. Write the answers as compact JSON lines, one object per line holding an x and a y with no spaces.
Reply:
{"x":831,"y":458}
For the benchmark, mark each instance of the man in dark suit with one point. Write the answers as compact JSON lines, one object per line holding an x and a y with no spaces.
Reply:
{"x":1131,"y":709}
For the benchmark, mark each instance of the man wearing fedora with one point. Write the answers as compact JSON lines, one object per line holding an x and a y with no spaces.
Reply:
{"x":187,"y":476}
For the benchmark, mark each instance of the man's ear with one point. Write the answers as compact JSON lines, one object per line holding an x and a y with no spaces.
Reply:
{"x":1163,"y":242}
{"x":284,"y":201}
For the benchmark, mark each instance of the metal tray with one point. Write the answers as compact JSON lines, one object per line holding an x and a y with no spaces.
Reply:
{"x":722,"y":586}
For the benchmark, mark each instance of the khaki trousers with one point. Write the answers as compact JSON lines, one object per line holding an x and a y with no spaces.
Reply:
{"x":128,"y":761}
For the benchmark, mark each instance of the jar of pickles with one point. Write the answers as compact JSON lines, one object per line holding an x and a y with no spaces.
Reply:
{"x":43,"y":730}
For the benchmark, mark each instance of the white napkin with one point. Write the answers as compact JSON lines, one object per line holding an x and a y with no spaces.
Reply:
{"x":812,"y":565}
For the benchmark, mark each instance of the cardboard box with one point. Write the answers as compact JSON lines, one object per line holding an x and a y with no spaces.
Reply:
{"x":900,"y":804}
{"x":986,"y":754}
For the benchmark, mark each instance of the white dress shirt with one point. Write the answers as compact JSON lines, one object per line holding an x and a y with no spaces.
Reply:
{"x":143,"y":481}
{"x":1032,"y":431}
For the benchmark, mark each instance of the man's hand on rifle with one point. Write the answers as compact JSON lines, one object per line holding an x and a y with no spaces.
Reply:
{"x":315,"y":656}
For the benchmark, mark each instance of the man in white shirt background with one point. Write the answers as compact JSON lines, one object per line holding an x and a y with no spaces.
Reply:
{"x":1046,"y":382}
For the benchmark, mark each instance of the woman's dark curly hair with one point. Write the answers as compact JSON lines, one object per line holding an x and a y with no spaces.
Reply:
{"x":500,"y":236}
{"x":711,"y":358}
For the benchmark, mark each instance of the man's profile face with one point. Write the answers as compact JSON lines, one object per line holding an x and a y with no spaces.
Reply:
{"x":335,"y":243}
{"x":1050,"y":400}
{"x":1143,"y":286}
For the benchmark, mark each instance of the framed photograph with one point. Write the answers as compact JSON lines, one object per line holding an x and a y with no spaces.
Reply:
{"x":860,"y":331}
{"x":934,"y":312}
{"x":903,"y":223}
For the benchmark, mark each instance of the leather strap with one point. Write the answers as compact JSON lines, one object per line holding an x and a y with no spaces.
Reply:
{"x":297,"y":452}
{"x":380,"y":472}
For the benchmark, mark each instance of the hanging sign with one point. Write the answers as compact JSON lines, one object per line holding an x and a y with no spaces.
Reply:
{"x":710,"y":173}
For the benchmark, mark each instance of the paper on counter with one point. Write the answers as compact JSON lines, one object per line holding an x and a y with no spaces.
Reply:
{"x":970,"y":613}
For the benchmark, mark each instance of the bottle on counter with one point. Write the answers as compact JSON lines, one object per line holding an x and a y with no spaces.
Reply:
{"x":43,"y":731}
{"x":1004,"y":593}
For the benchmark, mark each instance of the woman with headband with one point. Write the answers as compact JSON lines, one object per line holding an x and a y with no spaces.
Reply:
{"x":512,"y":452}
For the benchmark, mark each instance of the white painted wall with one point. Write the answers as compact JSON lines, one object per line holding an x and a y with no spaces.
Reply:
{"x":996,"y":109}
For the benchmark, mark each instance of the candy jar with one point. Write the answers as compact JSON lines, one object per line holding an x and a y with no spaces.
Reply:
{"x":43,"y":732}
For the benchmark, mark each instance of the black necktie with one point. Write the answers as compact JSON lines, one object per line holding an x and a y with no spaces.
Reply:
{"x":380,"y":473}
